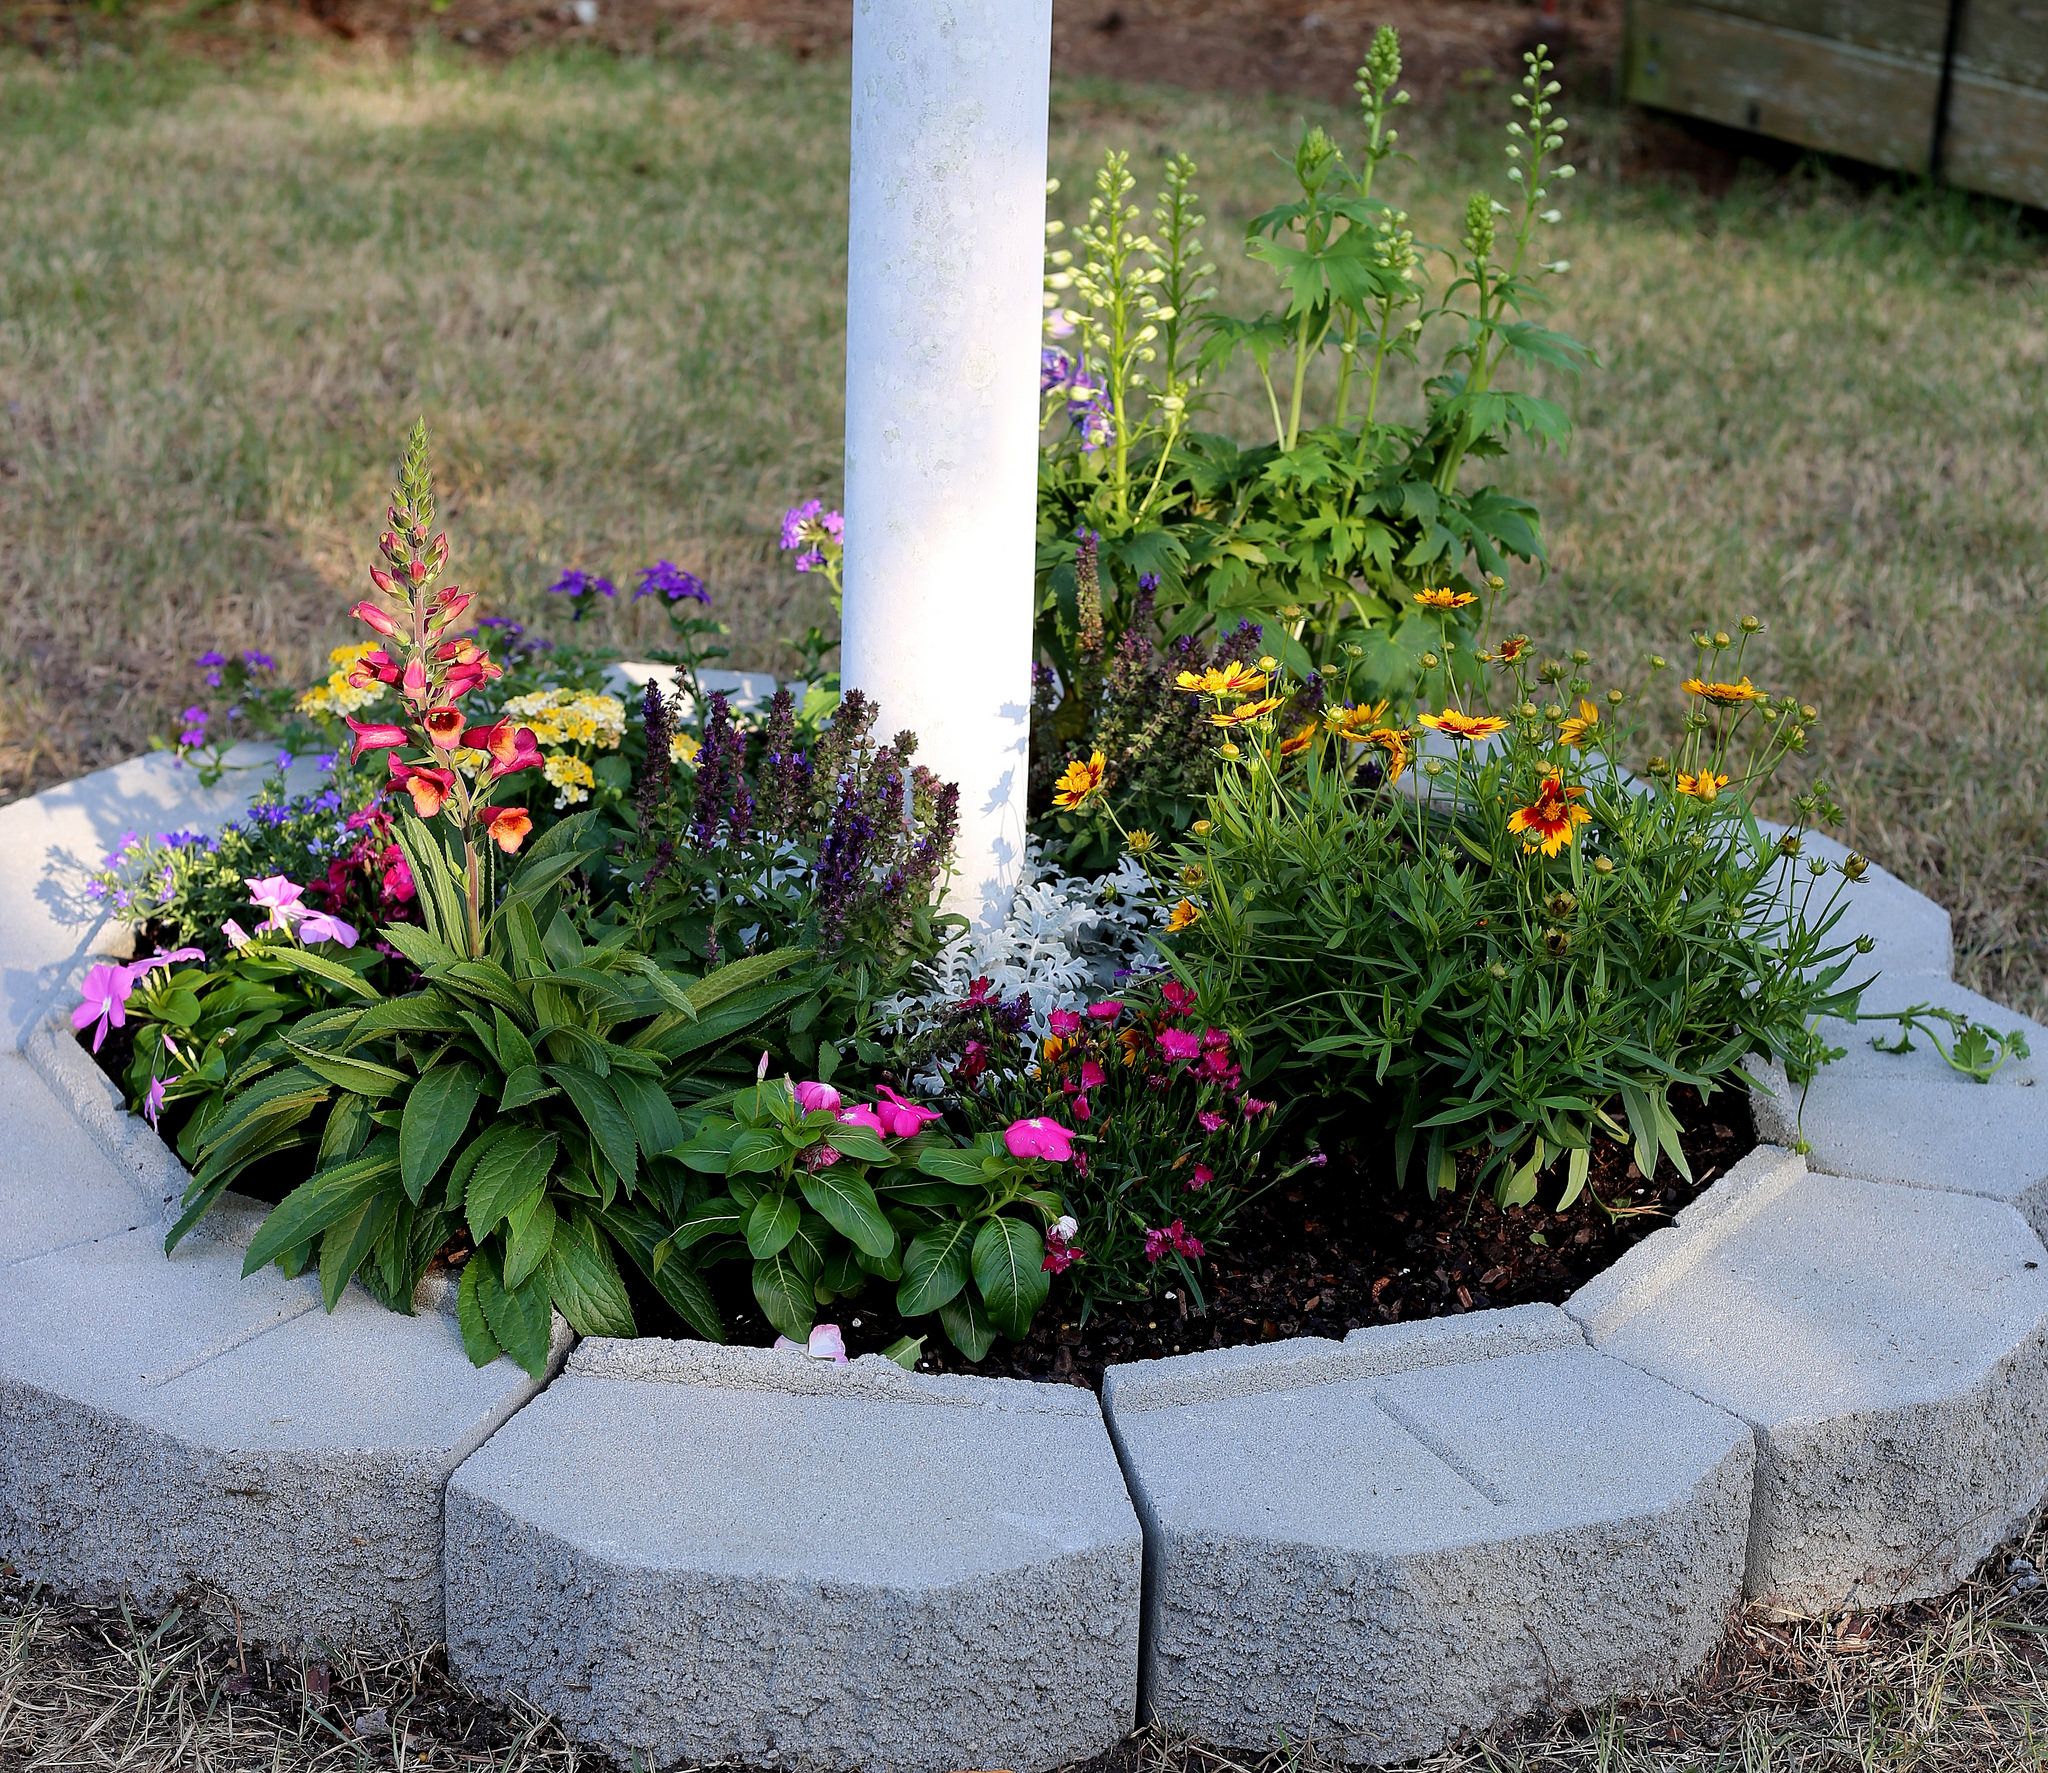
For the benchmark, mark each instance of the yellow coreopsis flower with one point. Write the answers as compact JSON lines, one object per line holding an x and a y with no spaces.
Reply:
{"x":1727,"y":694}
{"x":1703,"y":786}
{"x":1079,"y":781}
{"x":1183,"y":916}
{"x":1443,"y":597}
{"x":1456,"y":724}
{"x":1579,"y":729}
{"x":1549,"y":819}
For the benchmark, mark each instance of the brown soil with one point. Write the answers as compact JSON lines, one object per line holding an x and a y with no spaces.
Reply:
{"x":1339,"y":1249}
{"x":1304,"y":46}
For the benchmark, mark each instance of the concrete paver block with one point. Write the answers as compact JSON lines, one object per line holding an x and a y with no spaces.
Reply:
{"x":1890,"y":1347}
{"x":1425,"y":1532}
{"x":57,"y":1186}
{"x":1947,"y":1134}
{"x":686,"y":1552}
{"x":165,"y":1423}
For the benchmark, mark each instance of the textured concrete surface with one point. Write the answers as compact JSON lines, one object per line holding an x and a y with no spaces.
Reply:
{"x":48,"y":844}
{"x":740,"y":1555}
{"x":1890,"y":1346}
{"x":1942,"y":1133}
{"x":1383,"y":1553}
{"x":56,"y":1186}
{"x":165,"y":1423}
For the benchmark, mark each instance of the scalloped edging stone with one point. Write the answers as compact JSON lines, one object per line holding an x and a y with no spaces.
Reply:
{"x":1829,"y":1385}
{"x":1384,"y":1543}
{"x":1888,"y":1345}
{"x":687,"y":1552}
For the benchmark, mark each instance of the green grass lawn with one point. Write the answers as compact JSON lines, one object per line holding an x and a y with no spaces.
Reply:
{"x":615,"y":291}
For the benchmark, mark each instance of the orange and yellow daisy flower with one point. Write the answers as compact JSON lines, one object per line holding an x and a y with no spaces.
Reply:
{"x":1356,"y":721}
{"x":1079,"y":781}
{"x":1392,"y":742}
{"x":1443,"y":597}
{"x":1549,"y":819}
{"x":1455,"y":723}
{"x":1233,"y":679}
{"x":1296,"y":742}
{"x":1582,"y":728}
{"x":1703,"y":786}
{"x":1727,"y":694}
{"x":1511,"y":649}
{"x":1183,"y":916}
{"x":1245,"y":712}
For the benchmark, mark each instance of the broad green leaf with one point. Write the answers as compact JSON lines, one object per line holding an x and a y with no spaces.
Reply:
{"x":364,"y":1076}
{"x":343,"y":978}
{"x":1009,"y":1268}
{"x":427,"y":953}
{"x":521,"y":1318}
{"x":477,"y":1340}
{"x":657,"y":1128}
{"x":321,"y":1201}
{"x":512,"y":1169}
{"x":638,"y":1233}
{"x":784,"y":1296}
{"x":935,"y":1267}
{"x":847,"y":1204}
{"x":771,"y":1224}
{"x":346,"y":1244}
{"x":529,"y":1233}
{"x":966,"y":1324}
{"x":584,"y":1279}
{"x":437,"y":1111}
{"x":604,"y":1117}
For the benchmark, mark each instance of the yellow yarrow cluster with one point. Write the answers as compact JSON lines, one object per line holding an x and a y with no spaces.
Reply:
{"x":338,"y":696}
{"x":571,"y":776}
{"x":683,"y":748}
{"x":571,"y":717}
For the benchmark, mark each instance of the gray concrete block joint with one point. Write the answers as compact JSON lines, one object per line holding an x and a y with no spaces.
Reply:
{"x":1825,"y":1385}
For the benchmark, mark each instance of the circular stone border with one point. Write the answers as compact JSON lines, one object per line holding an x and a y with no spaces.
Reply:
{"x":1825,"y":1385}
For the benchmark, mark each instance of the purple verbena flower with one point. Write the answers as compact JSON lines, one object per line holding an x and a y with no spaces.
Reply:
{"x":665,"y":579}
{"x":574,"y":582}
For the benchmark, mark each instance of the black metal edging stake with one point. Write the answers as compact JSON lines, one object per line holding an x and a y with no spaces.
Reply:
{"x":1952,"y":36}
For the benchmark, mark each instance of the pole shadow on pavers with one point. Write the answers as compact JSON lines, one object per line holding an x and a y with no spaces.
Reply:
{"x":167,"y":1425}
{"x":1425,"y":1529}
{"x":1890,"y":1347}
{"x":685,"y":1552}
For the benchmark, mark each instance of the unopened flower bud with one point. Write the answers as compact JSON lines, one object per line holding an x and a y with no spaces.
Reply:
{"x":1856,"y":867}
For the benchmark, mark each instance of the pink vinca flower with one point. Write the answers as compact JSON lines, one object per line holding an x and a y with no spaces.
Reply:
{"x":859,"y":1114}
{"x":901,"y":1119}
{"x":813,"y":1098}
{"x":1040,"y":1138}
{"x":827,"y":1343}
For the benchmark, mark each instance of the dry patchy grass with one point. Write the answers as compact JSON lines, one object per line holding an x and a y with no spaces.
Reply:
{"x":614,"y":287}
{"x":1952,"y":1686}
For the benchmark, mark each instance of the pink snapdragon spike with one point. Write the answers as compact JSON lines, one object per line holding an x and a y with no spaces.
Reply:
{"x":901,"y":1119}
{"x":377,"y":617}
{"x":1040,"y":1138}
{"x":860,"y":1115}
{"x":826,"y":1343}
{"x":103,"y":1000}
{"x":371,"y":736}
{"x":278,"y":896}
{"x":815,"y":1098}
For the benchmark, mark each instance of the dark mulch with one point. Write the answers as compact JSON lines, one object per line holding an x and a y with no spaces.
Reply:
{"x":1340,"y":1248}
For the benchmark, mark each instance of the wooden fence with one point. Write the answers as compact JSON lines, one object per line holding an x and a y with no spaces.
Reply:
{"x":1953,"y":88}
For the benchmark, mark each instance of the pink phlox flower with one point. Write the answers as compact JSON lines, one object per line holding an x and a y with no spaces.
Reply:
{"x":153,"y":1102}
{"x":103,"y":1000}
{"x":278,"y":896}
{"x":324,"y":926}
